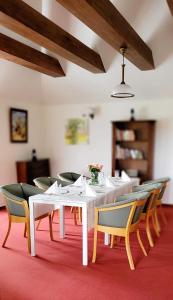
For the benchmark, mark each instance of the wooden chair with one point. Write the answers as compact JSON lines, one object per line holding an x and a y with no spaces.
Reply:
{"x":44,"y":183}
{"x":121,"y":219}
{"x":150,"y":209}
{"x":164,"y":181}
{"x":16,"y":198}
{"x":71,"y":177}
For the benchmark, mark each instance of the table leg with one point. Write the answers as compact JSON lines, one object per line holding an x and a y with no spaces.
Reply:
{"x":84,"y":236}
{"x":61,"y":219}
{"x":32,"y":228}
{"x":107,"y":239}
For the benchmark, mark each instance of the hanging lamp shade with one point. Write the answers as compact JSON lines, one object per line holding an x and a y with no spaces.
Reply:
{"x":122,"y":90}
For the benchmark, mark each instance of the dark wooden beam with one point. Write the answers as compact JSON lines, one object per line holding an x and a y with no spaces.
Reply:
{"x":26,"y":21}
{"x":26,"y":56}
{"x":170,"y":4}
{"x":104,"y":19}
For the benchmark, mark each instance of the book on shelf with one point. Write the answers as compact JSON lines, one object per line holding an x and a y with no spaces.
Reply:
{"x":125,"y":153}
{"x":125,"y":135}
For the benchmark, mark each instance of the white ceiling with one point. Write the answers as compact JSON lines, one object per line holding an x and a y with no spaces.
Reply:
{"x":153,"y":22}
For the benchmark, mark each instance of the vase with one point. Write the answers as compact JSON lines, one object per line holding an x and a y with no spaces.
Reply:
{"x":94,"y":178}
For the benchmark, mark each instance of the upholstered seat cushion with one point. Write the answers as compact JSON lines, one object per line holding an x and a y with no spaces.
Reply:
{"x":119,"y":217}
{"x":20,"y":192}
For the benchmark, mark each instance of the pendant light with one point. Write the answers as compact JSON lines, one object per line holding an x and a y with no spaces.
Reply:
{"x":122,"y":90}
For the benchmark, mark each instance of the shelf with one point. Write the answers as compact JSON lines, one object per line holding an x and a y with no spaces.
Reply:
{"x":135,"y":141}
{"x":144,"y":142}
{"x":131,"y":159}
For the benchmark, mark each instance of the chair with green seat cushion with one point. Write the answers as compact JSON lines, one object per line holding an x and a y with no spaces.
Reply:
{"x":165,"y":181}
{"x":45,"y":182}
{"x":159,"y":180}
{"x":150,"y":208}
{"x":69,"y":176}
{"x":17,"y":203}
{"x":121,"y":219}
{"x":147,"y":188}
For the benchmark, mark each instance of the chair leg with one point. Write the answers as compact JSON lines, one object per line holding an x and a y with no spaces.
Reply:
{"x":37,"y":227}
{"x":25,"y":231}
{"x":94,"y":246}
{"x":80,"y":214}
{"x":8,"y":231}
{"x":155,"y":227}
{"x":129,"y":254}
{"x":148,"y":231}
{"x":75,"y":215}
{"x":140,"y":242}
{"x":50,"y":227}
{"x":28,"y":235}
{"x":53,"y":214}
{"x":157,"y":220}
{"x":113,"y":241}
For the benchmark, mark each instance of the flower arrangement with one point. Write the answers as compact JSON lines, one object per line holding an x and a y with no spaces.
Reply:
{"x":95,"y":167}
{"x":94,"y":170}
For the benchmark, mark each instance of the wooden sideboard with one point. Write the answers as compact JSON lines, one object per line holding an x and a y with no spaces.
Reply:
{"x":28,"y":170}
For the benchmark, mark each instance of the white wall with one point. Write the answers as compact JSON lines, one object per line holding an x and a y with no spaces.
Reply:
{"x":11,"y":152}
{"x":77,"y":157}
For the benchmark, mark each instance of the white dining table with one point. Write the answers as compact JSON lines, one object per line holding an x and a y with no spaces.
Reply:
{"x":73,"y":197}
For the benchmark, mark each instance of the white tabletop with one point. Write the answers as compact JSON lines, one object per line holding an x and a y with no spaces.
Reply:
{"x":74,"y":197}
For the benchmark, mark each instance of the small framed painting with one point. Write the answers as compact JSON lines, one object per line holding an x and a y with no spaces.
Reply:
{"x":76,"y":131}
{"x":18,"y":125}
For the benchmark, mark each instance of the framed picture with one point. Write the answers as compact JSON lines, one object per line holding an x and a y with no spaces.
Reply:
{"x":76,"y":131}
{"x":18,"y":125}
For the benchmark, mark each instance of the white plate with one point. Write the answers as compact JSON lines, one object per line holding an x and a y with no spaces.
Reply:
{"x":62,"y":192}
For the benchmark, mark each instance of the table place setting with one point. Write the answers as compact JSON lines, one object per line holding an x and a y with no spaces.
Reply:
{"x":56,"y":189}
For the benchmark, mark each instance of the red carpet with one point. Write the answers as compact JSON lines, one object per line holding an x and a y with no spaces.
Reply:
{"x":57,"y":274}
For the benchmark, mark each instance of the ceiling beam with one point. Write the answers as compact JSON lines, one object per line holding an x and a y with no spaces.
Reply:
{"x":26,"y":21}
{"x":170,"y":4}
{"x":26,"y":56}
{"x":104,"y":19}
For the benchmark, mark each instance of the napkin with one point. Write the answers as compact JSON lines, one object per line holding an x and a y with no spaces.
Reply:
{"x":88,"y":191}
{"x":109,"y":183}
{"x":79,"y":181}
{"x":53,"y":189}
{"x":125,"y":177}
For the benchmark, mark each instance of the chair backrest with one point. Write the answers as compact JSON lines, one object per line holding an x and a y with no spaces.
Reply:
{"x":164,"y":181}
{"x":155,"y":190}
{"x":45,"y":182}
{"x":159,"y":180}
{"x":30,"y":190}
{"x":124,"y":212}
{"x":133,"y":197}
{"x":69,"y":176}
{"x":15,"y":194}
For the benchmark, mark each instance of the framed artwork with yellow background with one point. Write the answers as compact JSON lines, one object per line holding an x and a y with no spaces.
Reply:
{"x":18,"y":125}
{"x":76,"y":131}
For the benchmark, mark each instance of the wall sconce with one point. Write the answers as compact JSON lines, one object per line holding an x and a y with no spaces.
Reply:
{"x":92,"y":111}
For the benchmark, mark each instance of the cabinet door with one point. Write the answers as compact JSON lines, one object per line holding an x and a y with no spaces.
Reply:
{"x":38,"y":168}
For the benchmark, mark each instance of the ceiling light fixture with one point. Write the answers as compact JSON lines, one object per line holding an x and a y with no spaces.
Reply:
{"x":123,"y":90}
